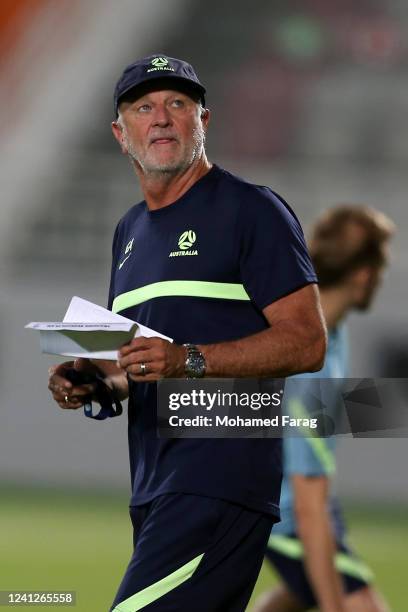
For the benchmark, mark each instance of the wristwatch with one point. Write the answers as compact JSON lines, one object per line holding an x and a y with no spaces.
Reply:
{"x":194,"y":366}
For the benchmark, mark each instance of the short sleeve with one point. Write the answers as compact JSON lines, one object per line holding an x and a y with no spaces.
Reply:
{"x":309,"y":454}
{"x":274,"y":260}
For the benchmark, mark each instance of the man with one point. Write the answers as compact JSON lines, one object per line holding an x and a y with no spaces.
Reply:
{"x":349,"y":251}
{"x":220,"y":266}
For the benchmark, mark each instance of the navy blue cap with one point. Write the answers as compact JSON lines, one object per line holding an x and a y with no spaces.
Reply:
{"x":180,"y":75}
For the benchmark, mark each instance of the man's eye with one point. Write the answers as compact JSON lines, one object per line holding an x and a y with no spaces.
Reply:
{"x":177,"y":103}
{"x":145,"y":108}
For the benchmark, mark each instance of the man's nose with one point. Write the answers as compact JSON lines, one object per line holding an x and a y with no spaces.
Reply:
{"x":162,"y":116}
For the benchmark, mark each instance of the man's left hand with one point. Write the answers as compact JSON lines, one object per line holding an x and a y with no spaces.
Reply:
{"x":149,"y":359}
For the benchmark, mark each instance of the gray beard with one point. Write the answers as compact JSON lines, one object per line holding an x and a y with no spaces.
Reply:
{"x":170,"y":169}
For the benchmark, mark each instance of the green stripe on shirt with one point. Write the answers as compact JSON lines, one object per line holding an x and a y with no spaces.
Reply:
{"x":203,"y":289}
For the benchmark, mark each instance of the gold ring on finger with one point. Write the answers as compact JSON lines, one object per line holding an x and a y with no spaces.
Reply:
{"x":143,"y":369}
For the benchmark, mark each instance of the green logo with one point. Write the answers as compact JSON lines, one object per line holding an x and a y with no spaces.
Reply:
{"x":160,"y":62}
{"x":186,"y":240}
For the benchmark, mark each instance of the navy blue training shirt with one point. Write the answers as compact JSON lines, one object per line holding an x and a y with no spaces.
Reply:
{"x":201,"y":270}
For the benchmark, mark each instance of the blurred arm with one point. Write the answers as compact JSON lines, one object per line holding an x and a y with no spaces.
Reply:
{"x":316,"y":534}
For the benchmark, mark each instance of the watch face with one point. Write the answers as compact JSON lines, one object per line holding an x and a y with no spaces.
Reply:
{"x":195,"y":364}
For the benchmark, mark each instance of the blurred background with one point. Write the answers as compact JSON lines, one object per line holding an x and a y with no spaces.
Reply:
{"x":309,"y":97}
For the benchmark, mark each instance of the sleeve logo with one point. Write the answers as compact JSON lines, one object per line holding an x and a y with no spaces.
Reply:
{"x":128,"y":252}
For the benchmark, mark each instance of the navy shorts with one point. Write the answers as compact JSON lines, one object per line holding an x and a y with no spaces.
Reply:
{"x":193,"y":553}
{"x":286,"y":555}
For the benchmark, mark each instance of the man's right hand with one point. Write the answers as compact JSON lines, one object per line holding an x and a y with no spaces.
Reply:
{"x":63,"y":391}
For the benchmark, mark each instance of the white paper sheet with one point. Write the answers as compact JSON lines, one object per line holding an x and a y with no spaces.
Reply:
{"x":83,"y":310}
{"x":89,"y":330}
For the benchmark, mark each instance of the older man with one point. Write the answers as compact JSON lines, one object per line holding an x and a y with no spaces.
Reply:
{"x":220,"y":266}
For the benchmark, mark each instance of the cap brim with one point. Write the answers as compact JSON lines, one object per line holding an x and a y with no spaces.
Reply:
{"x":186,"y":86}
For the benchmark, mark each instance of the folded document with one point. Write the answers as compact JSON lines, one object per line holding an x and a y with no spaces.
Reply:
{"x":88,"y":330}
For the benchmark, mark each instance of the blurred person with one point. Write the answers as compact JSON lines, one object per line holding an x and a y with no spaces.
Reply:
{"x":349,"y":250}
{"x":220,"y":266}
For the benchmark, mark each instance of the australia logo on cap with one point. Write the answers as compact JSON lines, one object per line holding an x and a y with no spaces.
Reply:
{"x":160,"y":63}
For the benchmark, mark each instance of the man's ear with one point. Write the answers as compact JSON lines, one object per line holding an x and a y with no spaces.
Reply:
{"x":205,"y":117}
{"x":358,"y":281}
{"x":118,"y":132}
{"x":362,"y":274}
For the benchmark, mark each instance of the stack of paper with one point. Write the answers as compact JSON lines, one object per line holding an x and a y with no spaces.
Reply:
{"x":88,"y":330}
